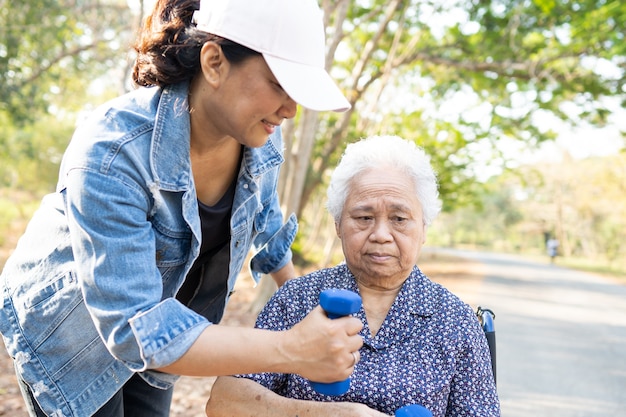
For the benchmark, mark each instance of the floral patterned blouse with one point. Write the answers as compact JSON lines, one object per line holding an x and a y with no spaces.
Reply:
{"x":430,"y":350}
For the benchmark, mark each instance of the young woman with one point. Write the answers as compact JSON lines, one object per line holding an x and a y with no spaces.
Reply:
{"x":122,"y":274}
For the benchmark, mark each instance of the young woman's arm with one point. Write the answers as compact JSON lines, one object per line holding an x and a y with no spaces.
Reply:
{"x":317,"y":348}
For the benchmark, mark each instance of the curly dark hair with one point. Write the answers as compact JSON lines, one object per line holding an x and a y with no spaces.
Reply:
{"x":168,"y":46}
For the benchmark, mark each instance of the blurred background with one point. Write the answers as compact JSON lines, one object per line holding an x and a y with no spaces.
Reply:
{"x":520,"y":104}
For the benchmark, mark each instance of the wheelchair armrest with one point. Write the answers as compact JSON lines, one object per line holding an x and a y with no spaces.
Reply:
{"x":486,"y":318}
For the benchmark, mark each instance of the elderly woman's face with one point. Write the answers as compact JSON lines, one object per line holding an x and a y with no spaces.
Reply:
{"x":381,"y":226}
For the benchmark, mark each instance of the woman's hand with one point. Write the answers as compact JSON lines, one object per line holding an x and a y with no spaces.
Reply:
{"x":321,"y":349}
{"x":318,"y":348}
{"x":243,"y":397}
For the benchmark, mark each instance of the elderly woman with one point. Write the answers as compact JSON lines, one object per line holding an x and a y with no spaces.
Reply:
{"x":422,"y":344}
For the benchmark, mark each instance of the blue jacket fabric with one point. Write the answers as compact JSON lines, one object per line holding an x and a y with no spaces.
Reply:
{"x":88,"y":294}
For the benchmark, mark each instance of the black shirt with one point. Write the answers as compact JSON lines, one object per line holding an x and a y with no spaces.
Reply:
{"x":204,"y":289}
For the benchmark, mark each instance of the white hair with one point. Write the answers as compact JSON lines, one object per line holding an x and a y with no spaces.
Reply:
{"x":392,"y":151}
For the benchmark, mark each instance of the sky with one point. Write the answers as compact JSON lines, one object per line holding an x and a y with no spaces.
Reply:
{"x":576,"y":142}
{"x":584,"y":141}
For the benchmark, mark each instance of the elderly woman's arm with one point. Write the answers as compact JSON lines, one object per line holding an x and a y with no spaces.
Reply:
{"x":243,"y":397}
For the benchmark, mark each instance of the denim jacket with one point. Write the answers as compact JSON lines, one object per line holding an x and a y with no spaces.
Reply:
{"x":88,"y":294}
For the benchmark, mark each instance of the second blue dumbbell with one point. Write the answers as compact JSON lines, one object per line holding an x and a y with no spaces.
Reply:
{"x":413,"y":410}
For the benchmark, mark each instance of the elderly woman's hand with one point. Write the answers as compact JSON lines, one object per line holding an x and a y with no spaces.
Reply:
{"x":243,"y":397}
{"x":321,"y":349}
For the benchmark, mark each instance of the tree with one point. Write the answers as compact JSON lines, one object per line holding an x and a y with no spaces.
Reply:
{"x":502,"y":64}
{"x":51,"y":49}
{"x":50,"y":53}
{"x":457,"y":77}
{"x":580,"y":202}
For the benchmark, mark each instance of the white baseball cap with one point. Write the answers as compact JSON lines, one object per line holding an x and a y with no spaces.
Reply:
{"x":290,"y":36}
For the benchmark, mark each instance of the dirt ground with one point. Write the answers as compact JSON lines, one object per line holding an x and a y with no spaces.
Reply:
{"x":190,"y":394}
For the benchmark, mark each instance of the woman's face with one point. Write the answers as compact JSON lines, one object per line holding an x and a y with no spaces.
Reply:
{"x":381,"y":227}
{"x":243,"y":101}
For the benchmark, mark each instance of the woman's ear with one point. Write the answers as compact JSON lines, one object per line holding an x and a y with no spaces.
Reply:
{"x":212,"y":63}
{"x":337,"y":229}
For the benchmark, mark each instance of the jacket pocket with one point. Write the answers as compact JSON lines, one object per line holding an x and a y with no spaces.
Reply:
{"x":43,"y":310}
{"x":172,"y":249}
{"x":38,"y":296}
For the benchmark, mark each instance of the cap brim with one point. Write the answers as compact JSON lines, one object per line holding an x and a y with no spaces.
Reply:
{"x":310,"y":87}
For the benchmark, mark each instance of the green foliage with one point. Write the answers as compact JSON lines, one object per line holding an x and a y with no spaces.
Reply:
{"x":487,"y":223}
{"x":16,"y":208}
{"x":455,"y":77}
{"x":51,"y":50}
{"x":581,"y":202}
{"x":31,"y":154}
{"x":493,"y":65}
{"x":50,"y":54}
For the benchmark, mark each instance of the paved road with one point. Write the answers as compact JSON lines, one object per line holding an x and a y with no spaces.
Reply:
{"x":561,"y":338}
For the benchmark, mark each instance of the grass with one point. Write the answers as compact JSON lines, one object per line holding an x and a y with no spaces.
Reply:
{"x":592,"y":266}
{"x":595,"y":266}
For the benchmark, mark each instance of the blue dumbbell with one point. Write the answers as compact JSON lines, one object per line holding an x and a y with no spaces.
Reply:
{"x":413,"y":410}
{"x":337,"y":303}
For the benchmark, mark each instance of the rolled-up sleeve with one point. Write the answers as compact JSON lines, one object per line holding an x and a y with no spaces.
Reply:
{"x":166,"y":331}
{"x":275,"y":244}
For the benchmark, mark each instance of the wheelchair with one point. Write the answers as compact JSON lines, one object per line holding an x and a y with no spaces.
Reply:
{"x":486,"y":318}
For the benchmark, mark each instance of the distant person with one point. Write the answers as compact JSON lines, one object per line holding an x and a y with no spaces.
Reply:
{"x":422,"y":344}
{"x":552,"y":246}
{"x":116,"y":287}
